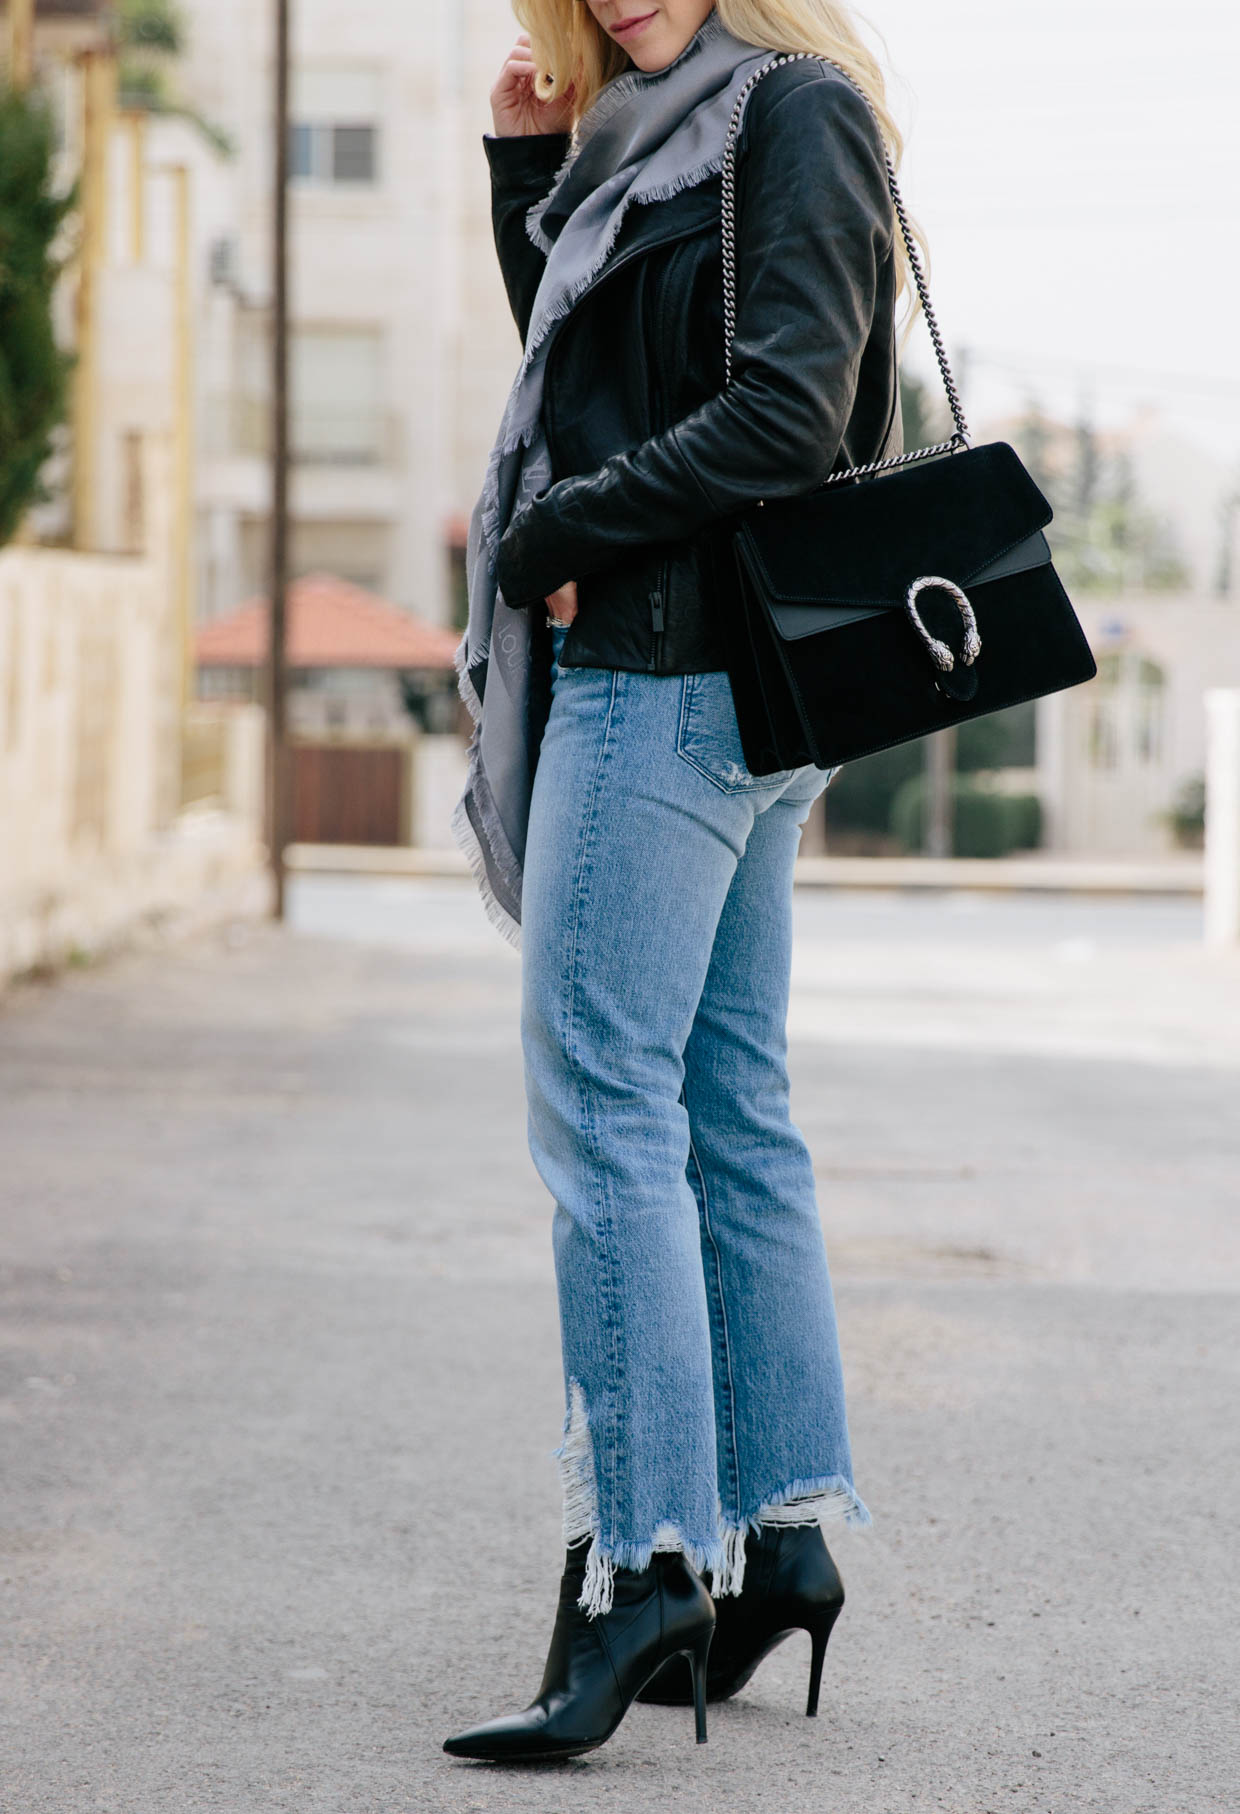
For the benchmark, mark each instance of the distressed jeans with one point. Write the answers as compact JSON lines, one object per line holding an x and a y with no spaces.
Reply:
{"x":703,"y":1385}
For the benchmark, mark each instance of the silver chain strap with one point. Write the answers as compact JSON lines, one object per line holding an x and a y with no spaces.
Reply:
{"x":961,"y":436}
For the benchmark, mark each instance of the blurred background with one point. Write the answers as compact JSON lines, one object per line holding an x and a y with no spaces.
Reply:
{"x":1076,"y":194}
{"x":275,"y":1298}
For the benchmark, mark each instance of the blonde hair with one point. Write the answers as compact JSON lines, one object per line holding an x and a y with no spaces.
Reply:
{"x":573,"y":49}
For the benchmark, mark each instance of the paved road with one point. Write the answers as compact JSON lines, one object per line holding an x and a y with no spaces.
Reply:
{"x":279,"y":1373}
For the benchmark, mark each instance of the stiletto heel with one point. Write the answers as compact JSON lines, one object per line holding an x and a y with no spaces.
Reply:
{"x":791,"y":1584}
{"x":697,"y":1663}
{"x":819,"y":1634}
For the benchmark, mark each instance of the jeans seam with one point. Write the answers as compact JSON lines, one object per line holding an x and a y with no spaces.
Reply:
{"x":725,"y":1340}
{"x":610,"y":1295}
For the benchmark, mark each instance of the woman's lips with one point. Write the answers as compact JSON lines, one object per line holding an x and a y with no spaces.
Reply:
{"x":625,"y":28}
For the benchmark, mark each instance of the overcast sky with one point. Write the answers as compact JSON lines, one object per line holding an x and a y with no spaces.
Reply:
{"x":1076,"y":166}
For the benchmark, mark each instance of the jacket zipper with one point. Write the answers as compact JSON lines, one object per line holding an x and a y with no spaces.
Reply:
{"x":658,"y":622}
{"x":659,"y":415}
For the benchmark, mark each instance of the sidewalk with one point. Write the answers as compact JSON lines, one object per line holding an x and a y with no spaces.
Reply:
{"x":281,"y":1380}
{"x":1179,"y":875}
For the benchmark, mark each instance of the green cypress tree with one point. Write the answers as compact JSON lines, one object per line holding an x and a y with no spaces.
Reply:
{"x":33,"y":369}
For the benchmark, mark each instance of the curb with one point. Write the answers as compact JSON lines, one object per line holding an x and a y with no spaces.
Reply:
{"x":1050,"y":875}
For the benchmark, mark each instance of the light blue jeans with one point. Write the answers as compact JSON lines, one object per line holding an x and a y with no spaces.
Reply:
{"x":703,"y":1385}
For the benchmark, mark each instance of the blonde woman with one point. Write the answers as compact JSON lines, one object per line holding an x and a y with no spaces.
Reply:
{"x":612,"y":822}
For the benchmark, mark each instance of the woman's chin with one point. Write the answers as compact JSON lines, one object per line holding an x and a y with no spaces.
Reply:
{"x":652,"y":49}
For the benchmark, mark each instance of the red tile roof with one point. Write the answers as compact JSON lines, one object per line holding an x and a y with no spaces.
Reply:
{"x":331,"y":624}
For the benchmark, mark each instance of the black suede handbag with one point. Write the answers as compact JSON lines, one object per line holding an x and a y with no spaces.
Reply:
{"x":893,"y":599}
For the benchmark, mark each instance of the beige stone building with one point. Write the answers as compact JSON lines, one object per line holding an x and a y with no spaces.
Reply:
{"x":124,"y":805}
{"x":1115,"y":756}
{"x":402,"y":349}
{"x":488,"y":347}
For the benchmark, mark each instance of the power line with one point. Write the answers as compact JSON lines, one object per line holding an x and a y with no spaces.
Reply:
{"x":1084,"y":371}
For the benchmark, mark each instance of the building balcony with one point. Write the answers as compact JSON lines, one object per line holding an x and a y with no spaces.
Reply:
{"x":64,"y":27}
{"x":319,"y":436}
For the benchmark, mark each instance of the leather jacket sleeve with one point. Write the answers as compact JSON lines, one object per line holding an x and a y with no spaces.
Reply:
{"x":814,"y":224}
{"x":523,"y":169}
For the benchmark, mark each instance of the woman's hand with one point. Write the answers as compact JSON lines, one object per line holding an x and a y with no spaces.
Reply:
{"x":562,"y":603}
{"x":515,"y":107}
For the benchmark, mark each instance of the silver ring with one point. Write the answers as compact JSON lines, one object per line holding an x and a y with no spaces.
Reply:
{"x":557,"y":623}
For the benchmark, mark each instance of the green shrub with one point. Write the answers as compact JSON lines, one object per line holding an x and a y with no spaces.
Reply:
{"x":33,"y":370}
{"x":1004,"y":739}
{"x":1026,"y":811}
{"x":1187,"y":816}
{"x":860,"y":797}
{"x":984,"y":823}
{"x":151,"y":25}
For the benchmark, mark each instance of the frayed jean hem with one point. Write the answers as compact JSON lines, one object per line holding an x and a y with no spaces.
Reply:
{"x":721,"y":1556}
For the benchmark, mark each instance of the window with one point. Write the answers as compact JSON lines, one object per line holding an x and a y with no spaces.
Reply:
{"x":1150,"y":711}
{"x":1127,"y":724}
{"x":357,"y":551}
{"x":332,"y":154}
{"x":334,"y":135}
{"x":337,"y":392}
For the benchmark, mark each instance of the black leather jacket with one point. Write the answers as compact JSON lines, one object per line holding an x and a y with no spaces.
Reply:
{"x":651,"y":454}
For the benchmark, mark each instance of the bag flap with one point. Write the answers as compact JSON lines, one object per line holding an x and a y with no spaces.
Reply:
{"x":863,"y":544}
{"x":794,"y":619}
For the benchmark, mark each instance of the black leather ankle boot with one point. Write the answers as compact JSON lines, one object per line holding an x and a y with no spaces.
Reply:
{"x":596,"y":1666}
{"x":791,"y":1584}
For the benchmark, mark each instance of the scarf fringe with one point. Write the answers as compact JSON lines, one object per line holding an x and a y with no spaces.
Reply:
{"x":534,"y":215}
{"x":461,"y":825}
{"x":569,"y":298}
{"x":663,"y":192}
{"x":464,"y":681}
{"x":468,"y":844}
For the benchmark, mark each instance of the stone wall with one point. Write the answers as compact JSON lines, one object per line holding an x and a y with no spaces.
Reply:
{"x":95,"y":845}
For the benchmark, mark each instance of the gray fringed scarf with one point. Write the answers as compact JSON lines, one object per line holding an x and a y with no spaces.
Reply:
{"x":645,"y":138}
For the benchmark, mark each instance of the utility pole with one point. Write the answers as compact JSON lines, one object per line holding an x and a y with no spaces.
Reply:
{"x":21,"y":43}
{"x":940,"y":771}
{"x":1229,"y":515}
{"x":277,"y":675}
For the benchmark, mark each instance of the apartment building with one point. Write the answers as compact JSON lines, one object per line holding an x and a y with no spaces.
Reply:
{"x":487,"y":345}
{"x":402,"y":348}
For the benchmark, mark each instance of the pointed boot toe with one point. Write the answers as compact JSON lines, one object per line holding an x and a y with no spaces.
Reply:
{"x":517,"y":1738}
{"x":595,"y":1667}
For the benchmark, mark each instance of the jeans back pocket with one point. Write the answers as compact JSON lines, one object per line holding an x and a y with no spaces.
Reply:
{"x":709,"y":738}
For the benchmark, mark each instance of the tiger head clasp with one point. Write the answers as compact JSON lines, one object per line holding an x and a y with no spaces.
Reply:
{"x":939,"y":651}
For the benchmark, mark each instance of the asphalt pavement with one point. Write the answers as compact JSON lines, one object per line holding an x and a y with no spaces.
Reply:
{"x":279,"y":1373}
